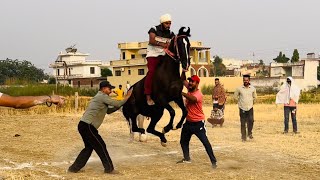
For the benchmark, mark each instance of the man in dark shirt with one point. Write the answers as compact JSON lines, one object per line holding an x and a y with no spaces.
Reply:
{"x":159,"y":39}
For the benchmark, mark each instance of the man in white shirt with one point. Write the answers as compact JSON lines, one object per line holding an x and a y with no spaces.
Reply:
{"x":159,"y":37}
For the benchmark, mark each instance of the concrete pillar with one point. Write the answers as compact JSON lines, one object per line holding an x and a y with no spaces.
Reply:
{"x":208,"y":56}
{"x":196,"y":57}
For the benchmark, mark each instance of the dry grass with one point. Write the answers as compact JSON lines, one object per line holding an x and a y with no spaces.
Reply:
{"x":50,"y":142}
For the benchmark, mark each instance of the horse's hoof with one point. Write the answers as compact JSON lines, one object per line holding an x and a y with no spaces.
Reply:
{"x":163,"y":131}
{"x":163,"y":144}
{"x":131,"y":138}
{"x":143,"y":138}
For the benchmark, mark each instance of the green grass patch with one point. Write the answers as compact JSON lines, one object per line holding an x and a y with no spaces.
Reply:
{"x":46,"y":89}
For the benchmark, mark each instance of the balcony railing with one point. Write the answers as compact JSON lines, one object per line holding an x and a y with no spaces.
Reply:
{"x":60,"y":63}
{"x":72,"y":76}
{"x":127,"y":62}
{"x":133,"y":45}
{"x":286,"y":64}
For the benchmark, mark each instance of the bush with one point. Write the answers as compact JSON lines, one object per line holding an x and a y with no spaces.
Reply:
{"x":45,"y":89}
{"x":207,"y":89}
{"x":266,"y":90}
{"x":52,"y":80}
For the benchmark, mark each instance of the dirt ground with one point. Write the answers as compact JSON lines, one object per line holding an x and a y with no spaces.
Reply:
{"x":44,"y":146}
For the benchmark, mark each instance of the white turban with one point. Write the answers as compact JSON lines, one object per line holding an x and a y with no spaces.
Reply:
{"x":165,"y":18}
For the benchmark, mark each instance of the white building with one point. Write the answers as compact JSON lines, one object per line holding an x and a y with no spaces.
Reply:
{"x":232,"y":63}
{"x":303,"y":72}
{"x":72,"y":68}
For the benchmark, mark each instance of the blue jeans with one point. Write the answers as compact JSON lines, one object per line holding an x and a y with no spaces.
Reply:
{"x":293,"y":111}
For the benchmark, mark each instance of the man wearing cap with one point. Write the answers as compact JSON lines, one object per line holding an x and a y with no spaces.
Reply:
{"x":194,"y":121}
{"x":246,"y":95}
{"x":159,"y":39}
{"x":89,"y":124}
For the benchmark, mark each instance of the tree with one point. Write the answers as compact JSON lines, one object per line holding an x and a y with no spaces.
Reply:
{"x":52,"y":80}
{"x":19,"y":72}
{"x":261,"y":63}
{"x":281,"y":58}
{"x":106,"y":72}
{"x":219,"y":69}
{"x":295,"y":56}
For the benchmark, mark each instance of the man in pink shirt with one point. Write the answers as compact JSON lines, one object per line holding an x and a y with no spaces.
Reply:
{"x":194,"y":121}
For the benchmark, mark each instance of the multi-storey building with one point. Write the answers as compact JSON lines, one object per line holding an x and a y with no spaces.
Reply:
{"x":133,"y":62}
{"x":72,"y":68}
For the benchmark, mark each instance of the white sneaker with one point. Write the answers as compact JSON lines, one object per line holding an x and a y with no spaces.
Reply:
{"x":184,"y":161}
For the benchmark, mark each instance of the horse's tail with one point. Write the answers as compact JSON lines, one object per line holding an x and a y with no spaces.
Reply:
{"x":127,"y":112}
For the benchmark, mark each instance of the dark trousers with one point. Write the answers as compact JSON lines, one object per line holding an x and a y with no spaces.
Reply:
{"x":293,"y":111}
{"x":92,"y":141}
{"x":197,"y":128}
{"x":246,"y":118}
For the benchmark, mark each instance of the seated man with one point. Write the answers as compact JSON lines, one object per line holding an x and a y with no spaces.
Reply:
{"x":216,"y":117}
{"x":159,"y":38}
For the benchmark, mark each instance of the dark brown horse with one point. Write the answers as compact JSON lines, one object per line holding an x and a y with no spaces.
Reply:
{"x":167,"y":86}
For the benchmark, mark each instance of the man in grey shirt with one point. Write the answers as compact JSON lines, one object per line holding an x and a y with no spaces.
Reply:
{"x":246,"y":95}
{"x":89,"y":124}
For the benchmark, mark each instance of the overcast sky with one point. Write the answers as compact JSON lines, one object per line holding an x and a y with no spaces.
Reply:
{"x":37,"y":30}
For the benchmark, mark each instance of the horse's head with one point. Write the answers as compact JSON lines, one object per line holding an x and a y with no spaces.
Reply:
{"x":181,"y":47}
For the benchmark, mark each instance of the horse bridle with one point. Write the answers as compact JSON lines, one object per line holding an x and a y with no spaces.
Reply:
{"x":175,"y":45}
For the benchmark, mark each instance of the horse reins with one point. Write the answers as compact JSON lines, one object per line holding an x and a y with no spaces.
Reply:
{"x":175,"y":45}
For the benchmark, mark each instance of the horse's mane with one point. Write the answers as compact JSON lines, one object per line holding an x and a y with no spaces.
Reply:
{"x":184,"y":31}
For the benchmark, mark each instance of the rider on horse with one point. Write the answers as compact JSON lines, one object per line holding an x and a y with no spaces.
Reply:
{"x":159,"y":38}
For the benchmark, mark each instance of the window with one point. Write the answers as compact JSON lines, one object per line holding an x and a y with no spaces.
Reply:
{"x":123,"y":55}
{"x":91,"y":83}
{"x":69,"y":71}
{"x":140,"y":71}
{"x":133,"y":56}
{"x":92,"y":70}
{"x":129,"y":72}
{"x":144,"y":55}
{"x":78,"y":84}
{"x":117,"y":73}
{"x":58,"y":72}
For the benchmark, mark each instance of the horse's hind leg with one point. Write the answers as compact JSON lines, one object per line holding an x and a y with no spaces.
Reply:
{"x":172,"y":115}
{"x":133,"y":125}
{"x":140,"y":120}
{"x":180,"y":103}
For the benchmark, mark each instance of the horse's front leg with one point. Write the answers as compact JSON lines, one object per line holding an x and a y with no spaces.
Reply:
{"x":151,"y":128}
{"x":172,"y":115}
{"x":180,"y":103}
